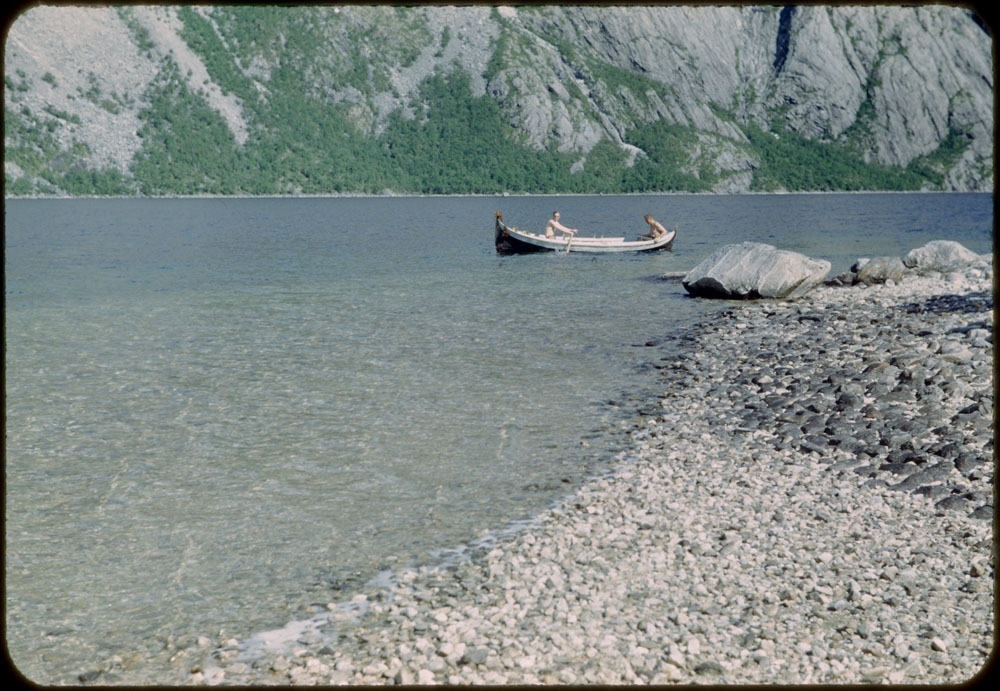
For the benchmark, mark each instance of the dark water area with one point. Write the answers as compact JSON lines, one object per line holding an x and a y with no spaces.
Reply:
{"x":222,"y":411}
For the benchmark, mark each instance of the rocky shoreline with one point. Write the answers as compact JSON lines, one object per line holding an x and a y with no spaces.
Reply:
{"x":810,"y":501}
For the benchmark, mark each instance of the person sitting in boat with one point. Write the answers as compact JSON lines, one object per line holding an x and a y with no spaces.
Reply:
{"x":656,"y":229}
{"x":554,"y":225}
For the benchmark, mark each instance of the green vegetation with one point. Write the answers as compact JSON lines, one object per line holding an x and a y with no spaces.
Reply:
{"x":458,"y":145}
{"x":790,"y":161}
{"x":71,"y":118}
{"x":304,"y":137}
{"x":663,"y":168}
{"x":931,"y":166}
{"x":202,"y":39}
{"x":496,"y":62}
{"x":187,"y":147}
{"x":139,"y":33}
{"x":22,"y":85}
{"x":445,"y":40}
{"x":109,"y":182}
{"x":31,"y":143}
{"x":461,"y":146}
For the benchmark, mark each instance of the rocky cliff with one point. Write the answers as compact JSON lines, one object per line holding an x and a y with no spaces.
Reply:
{"x":896,"y":86}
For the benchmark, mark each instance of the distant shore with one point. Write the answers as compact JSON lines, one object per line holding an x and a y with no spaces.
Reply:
{"x":500,"y":195}
{"x":812,"y":503}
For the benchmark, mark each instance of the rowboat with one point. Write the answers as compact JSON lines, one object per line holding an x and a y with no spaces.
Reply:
{"x":510,"y":240}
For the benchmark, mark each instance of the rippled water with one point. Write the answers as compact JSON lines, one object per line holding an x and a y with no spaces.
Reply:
{"x":222,"y":410}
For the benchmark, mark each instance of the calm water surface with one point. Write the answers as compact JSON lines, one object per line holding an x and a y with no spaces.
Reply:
{"x":222,"y":411}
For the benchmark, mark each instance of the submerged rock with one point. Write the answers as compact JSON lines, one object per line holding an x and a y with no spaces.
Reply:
{"x":752,"y":270}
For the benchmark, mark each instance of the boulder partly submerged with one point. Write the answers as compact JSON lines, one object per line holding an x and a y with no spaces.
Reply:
{"x":753,"y":270}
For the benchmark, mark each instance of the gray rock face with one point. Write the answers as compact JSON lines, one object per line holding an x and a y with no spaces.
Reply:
{"x":898,"y":83}
{"x":940,"y":255}
{"x":895,"y":81}
{"x":751,"y":270}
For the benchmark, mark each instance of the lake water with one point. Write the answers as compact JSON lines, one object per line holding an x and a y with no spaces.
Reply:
{"x":221,"y":412}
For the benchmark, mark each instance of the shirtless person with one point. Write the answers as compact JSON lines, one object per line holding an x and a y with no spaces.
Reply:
{"x":656,"y":229}
{"x":554,"y":225}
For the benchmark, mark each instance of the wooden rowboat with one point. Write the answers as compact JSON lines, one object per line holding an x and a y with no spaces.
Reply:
{"x":510,"y":240}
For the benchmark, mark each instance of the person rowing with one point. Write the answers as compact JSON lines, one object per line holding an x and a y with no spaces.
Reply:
{"x":656,"y":229}
{"x":554,"y":225}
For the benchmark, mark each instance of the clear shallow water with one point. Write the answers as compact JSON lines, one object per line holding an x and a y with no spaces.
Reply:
{"x":222,"y":410}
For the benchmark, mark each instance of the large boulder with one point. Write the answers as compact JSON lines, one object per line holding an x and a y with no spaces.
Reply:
{"x":751,"y":270}
{"x":941,"y":255}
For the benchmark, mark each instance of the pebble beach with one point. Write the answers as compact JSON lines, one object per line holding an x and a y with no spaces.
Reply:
{"x":809,"y":501}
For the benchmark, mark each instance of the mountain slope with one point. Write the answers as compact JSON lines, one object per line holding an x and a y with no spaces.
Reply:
{"x":321,"y":99}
